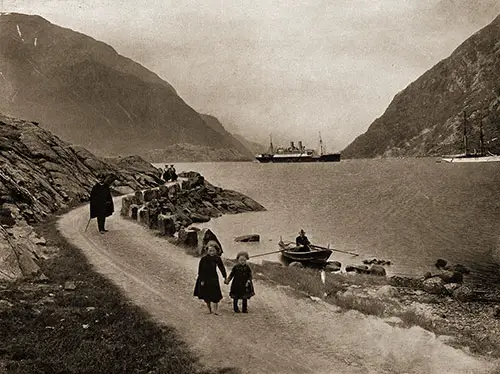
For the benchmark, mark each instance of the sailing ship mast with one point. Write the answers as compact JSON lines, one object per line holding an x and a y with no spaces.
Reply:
{"x":481,"y":138}
{"x":466,"y":143}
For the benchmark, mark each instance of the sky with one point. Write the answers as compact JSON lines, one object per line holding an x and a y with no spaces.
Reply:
{"x":290,"y":69}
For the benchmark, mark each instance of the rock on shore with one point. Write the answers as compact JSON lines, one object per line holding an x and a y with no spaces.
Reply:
{"x":39,"y":174}
{"x":175,"y":206}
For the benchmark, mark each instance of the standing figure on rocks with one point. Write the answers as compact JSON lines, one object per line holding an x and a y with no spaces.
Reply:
{"x":242,"y":286}
{"x":207,"y":286}
{"x":167,"y":174}
{"x":101,"y":201}
{"x":173,"y":174}
{"x":302,"y":241}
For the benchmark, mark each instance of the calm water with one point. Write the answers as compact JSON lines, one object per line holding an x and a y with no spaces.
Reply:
{"x":408,"y":211}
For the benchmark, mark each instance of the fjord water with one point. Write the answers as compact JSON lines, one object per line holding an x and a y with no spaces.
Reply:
{"x":409,"y":211}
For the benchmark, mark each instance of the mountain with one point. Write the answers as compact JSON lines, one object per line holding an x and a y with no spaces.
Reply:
{"x":254,"y":147}
{"x":426,"y":118}
{"x":85,"y":92}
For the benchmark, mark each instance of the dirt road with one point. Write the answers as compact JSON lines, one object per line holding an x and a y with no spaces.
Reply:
{"x":281,"y":334}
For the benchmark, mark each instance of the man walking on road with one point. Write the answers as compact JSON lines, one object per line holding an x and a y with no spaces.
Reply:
{"x":101,"y":202}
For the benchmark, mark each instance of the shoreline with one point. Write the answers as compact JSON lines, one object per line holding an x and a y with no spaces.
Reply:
{"x":467,"y":324}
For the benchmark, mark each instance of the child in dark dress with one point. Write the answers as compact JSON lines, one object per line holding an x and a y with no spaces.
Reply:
{"x":242,"y":286}
{"x":207,"y":285}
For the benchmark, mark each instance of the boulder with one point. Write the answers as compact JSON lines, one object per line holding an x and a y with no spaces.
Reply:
{"x":247,"y":238}
{"x":407,"y":282}
{"x":127,"y":201}
{"x":166,"y":225}
{"x":427,"y":275}
{"x":153,"y":218}
{"x":464,"y":293}
{"x":139,"y":197}
{"x":163,"y":191}
{"x":360,"y":269}
{"x":441,"y":264}
{"x":296,"y":264}
{"x":143,"y":216}
{"x":333,"y":266}
{"x":449,"y":276}
{"x":460,"y":269}
{"x":195,"y":217}
{"x":435,"y":286}
{"x":150,"y":194}
{"x":132,"y":212}
{"x":377,"y":270}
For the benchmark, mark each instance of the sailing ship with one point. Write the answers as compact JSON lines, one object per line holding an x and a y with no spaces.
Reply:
{"x":297,"y":153}
{"x":480,"y":156}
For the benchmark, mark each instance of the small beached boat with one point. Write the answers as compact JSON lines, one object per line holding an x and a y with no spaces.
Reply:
{"x":316,"y":256}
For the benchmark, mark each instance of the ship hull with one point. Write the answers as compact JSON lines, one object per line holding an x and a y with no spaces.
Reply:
{"x":471,"y":158}
{"x":333,"y":157}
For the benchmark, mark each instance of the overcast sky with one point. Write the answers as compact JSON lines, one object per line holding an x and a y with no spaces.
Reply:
{"x":290,"y":68}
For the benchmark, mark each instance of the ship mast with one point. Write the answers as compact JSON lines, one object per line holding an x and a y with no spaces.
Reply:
{"x":320,"y":145}
{"x":481,"y":138}
{"x":465,"y":133}
{"x":271,"y":148}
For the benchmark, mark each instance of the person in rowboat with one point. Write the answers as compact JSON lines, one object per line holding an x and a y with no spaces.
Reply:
{"x":302,"y":242}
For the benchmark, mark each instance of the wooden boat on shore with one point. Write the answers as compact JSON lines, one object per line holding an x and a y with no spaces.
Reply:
{"x":292,"y":253}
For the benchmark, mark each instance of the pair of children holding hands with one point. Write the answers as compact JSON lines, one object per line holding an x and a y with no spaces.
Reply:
{"x":207,"y":285}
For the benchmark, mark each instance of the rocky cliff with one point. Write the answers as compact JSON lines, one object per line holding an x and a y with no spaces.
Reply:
{"x":426,"y":118}
{"x":85,"y":92}
{"x":39,"y":174}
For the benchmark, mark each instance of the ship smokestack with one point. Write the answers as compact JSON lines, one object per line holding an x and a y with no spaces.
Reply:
{"x":300,"y":145}
{"x":292,"y":145}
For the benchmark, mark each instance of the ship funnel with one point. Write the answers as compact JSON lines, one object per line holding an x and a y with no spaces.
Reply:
{"x":292,"y":145}
{"x":300,"y":145}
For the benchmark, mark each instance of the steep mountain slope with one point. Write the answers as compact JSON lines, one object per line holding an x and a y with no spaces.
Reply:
{"x":426,"y":118}
{"x":83,"y":91}
{"x":254,"y":147}
{"x":39,"y":174}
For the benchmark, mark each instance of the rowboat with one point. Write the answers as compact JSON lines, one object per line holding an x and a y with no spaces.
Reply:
{"x":293,"y":253}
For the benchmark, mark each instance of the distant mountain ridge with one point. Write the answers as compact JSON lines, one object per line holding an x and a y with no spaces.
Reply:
{"x":85,"y":92}
{"x":426,"y":118}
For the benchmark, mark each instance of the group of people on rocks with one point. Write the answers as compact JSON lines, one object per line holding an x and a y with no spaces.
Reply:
{"x":169,"y":174}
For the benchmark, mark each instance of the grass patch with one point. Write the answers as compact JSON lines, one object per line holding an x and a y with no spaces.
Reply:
{"x":92,"y":329}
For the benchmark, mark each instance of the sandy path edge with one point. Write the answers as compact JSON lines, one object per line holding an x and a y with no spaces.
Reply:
{"x":281,"y":334}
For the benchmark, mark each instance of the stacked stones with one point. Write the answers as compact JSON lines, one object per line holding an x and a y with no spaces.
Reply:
{"x":174,"y":206}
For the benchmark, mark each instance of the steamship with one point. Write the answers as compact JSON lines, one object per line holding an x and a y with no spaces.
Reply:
{"x":297,"y":154}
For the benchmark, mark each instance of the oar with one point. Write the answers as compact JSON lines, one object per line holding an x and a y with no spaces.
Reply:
{"x":336,"y":250}
{"x":267,"y":253}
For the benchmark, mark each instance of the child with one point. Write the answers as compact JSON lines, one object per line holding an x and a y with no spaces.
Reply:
{"x":207,"y":285}
{"x":242,"y":286}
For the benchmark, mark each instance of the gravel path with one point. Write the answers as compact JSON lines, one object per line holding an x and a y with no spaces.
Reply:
{"x":281,"y":334}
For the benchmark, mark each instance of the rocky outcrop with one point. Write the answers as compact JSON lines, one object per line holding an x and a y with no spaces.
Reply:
{"x":40,"y":174}
{"x":173,"y":207}
{"x":426,"y":118}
